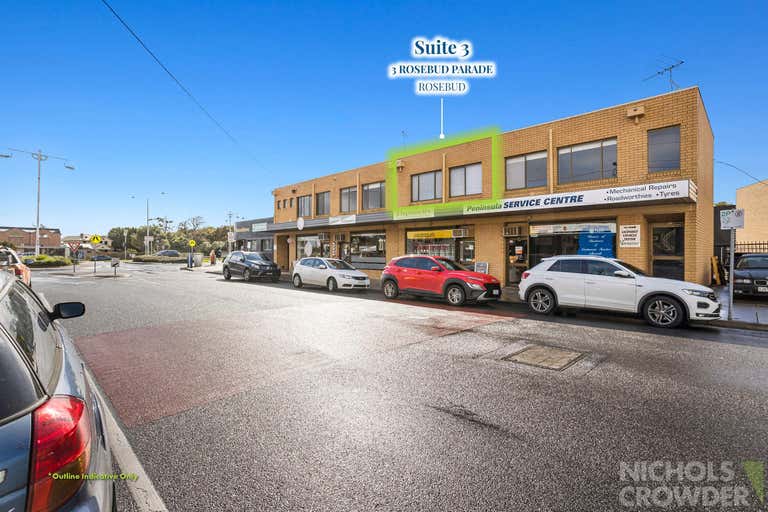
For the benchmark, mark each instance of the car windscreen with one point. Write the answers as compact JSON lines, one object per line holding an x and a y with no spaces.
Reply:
{"x":749,"y":262}
{"x":340,"y":265}
{"x":450,"y":264}
{"x":257,"y":256}
{"x":631,"y":267}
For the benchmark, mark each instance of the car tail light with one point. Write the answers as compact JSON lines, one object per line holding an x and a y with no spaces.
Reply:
{"x":526,"y":274}
{"x":18,"y":271}
{"x":61,"y":443}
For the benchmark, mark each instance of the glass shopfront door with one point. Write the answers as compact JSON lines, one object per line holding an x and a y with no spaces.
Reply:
{"x":668,"y":250}
{"x":517,"y":258}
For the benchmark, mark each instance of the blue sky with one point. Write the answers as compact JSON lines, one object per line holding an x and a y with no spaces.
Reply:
{"x":303,"y":87}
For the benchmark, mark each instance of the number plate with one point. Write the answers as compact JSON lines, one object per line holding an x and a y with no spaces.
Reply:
{"x":762,"y":289}
{"x":496,"y":292}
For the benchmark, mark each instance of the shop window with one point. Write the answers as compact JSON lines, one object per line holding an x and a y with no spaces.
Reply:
{"x":466,"y":180}
{"x":527,"y":171}
{"x":373,"y":196}
{"x":323,"y":203}
{"x":349,"y":199}
{"x":588,"y":238}
{"x":311,"y":246}
{"x":441,"y":242}
{"x":304,"y":206}
{"x":368,"y":250}
{"x":664,"y":149}
{"x":427,"y":186}
{"x":586,"y":162}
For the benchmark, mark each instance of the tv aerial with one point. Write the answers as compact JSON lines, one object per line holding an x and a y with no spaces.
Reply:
{"x":667,"y":70}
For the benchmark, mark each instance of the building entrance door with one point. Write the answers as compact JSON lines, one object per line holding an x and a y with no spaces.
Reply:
{"x":668,"y":250}
{"x":517,"y":258}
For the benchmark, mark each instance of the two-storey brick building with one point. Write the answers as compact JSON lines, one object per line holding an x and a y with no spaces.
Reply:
{"x":23,"y":238}
{"x":633,"y":181}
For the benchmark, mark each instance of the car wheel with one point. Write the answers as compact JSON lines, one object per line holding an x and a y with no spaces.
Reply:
{"x":391,"y":291}
{"x":663,"y":311}
{"x":247,"y":274}
{"x":332,"y":286}
{"x":227,"y":274}
{"x":455,"y":295}
{"x":541,"y":301}
{"x":297,"y":281}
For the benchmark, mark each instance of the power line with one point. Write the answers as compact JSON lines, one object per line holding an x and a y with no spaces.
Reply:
{"x":762,"y":182}
{"x":178,"y":82}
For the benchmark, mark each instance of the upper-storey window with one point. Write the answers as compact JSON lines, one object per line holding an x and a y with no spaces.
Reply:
{"x":586,"y":162}
{"x":323,"y":203}
{"x":466,"y":180}
{"x":278,"y":204}
{"x":304,"y":204}
{"x":426,"y":186}
{"x":290,"y":203}
{"x":349,"y":199}
{"x":527,"y":170}
{"x":664,"y":149}
{"x":373,"y":196}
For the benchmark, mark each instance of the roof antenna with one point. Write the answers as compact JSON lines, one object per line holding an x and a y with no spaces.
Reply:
{"x":672,"y":84}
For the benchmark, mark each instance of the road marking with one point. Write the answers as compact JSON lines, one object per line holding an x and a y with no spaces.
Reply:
{"x":143,"y":491}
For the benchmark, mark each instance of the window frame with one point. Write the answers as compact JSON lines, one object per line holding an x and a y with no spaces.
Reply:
{"x":381,"y":189}
{"x":602,"y":161}
{"x":464,"y":167}
{"x":298,"y":205}
{"x":326,"y":202}
{"x":525,"y":156}
{"x":435,"y":181}
{"x":353,"y":209}
{"x":679,"y":148}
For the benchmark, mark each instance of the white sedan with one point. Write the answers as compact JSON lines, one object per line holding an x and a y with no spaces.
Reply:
{"x":330,"y":273}
{"x":595,"y":282}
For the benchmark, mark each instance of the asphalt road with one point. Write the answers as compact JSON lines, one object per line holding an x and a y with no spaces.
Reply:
{"x":257,"y":396}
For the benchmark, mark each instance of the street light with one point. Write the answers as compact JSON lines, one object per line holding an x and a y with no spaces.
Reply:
{"x":40,"y":157}
{"x":147,"y":243}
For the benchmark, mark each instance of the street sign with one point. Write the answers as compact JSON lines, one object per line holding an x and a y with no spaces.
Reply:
{"x":149,"y":238}
{"x":115,"y":262}
{"x":192,"y":243}
{"x":230,"y":237}
{"x":732,"y":219}
{"x":95,"y":239}
{"x":73,"y":246}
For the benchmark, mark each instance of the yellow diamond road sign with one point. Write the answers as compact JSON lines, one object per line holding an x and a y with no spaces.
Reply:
{"x":192,"y":243}
{"x":95,"y":239}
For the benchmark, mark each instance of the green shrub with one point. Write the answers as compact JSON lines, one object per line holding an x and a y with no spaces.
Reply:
{"x":45,"y":260}
{"x":160,"y":259}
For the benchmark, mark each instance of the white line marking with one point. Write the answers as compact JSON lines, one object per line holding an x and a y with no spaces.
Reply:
{"x":143,"y":491}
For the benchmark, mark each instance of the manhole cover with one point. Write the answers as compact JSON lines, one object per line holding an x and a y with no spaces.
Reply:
{"x":552,"y":358}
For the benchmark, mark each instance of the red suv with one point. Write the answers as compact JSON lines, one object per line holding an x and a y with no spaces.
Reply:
{"x":430,"y":276}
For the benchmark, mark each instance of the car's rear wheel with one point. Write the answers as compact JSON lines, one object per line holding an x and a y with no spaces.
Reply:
{"x":391,"y":291}
{"x":663,"y":311}
{"x":332,"y":286}
{"x":455,"y":295}
{"x":227,"y":274}
{"x":297,"y":281}
{"x":247,"y":274}
{"x":541,"y":301}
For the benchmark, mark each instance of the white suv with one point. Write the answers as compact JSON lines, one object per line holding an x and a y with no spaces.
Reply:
{"x":604,"y":283}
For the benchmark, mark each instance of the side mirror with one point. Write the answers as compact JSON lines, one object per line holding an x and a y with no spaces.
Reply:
{"x":65,"y":310}
{"x":322,"y":267}
{"x":622,"y":273}
{"x":435,"y":269}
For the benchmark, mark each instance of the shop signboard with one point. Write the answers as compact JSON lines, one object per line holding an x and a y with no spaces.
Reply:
{"x":258,"y":226}
{"x":342,"y":219}
{"x":664,"y":191}
{"x":629,"y":235}
{"x":437,"y":233}
{"x":596,"y":244}
{"x":558,"y":229}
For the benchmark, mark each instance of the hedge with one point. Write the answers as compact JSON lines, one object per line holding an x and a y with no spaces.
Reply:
{"x":45,"y":260}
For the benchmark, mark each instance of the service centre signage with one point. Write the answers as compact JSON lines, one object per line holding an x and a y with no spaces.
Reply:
{"x":597,"y":197}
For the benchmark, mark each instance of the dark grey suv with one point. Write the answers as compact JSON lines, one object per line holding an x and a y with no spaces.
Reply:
{"x":51,"y":428}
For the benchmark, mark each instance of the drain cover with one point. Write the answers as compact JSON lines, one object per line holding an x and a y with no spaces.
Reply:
{"x":552,"y":358}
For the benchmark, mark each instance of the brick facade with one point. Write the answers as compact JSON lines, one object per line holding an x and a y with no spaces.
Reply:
{"x":752,"y":199}
{"x":683,"y":108}
{"x":24,"y":238}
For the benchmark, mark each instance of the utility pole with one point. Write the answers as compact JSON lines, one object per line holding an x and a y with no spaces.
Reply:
{"x":232,"y":229}
{"x":41,"y":157}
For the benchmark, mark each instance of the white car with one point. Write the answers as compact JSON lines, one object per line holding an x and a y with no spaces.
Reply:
{"x":328,"y":272}
{"x":595,"y":282}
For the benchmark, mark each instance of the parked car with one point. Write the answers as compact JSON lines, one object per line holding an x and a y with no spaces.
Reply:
{"x":438,"y":277}
{"x":331,"y":273}
{"x":750,"y":275}
{"x":249,"y":265}
{"x":168,"y":252}
{"x":594,"y":282}
{"x":11,"y":262}
{"x":50,"y":416}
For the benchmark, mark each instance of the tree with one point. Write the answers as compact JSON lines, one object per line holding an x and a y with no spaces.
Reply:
{"x":195,"y":222}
